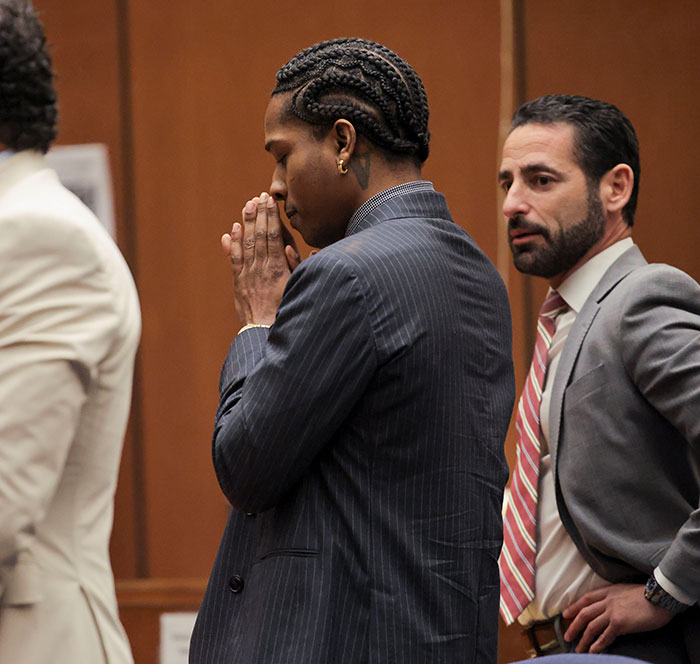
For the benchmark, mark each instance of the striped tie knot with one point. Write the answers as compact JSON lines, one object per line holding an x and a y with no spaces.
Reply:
{"x":553,"y":305}
{"x":517,"y":561}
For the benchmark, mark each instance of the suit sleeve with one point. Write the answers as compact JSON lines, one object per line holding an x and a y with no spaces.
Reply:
{"x":661,"y":329}
{"x":283,"y":397}
{"x":55,"y":321}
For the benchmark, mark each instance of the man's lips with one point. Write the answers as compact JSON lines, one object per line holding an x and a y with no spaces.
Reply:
{"x":517,"y":232}
{"x":522,"y":235}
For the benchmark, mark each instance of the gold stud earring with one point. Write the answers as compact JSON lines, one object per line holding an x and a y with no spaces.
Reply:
{"x":341,"y":167}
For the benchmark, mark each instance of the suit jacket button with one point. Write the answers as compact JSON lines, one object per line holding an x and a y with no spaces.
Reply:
{"x":235,"y":584}
{"x":250,"y":515}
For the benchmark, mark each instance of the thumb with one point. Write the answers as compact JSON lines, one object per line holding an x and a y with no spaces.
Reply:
{"x":293,"y":258}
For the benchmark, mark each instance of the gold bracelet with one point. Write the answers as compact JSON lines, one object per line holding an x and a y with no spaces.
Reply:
{"x":249,"y":326}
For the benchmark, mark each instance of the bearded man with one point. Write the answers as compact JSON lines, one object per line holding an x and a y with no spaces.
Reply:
{"x":602,"y":527}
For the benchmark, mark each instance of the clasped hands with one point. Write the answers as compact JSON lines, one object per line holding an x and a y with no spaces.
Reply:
{"x":600,"y":616}
{"x":263,"y":255}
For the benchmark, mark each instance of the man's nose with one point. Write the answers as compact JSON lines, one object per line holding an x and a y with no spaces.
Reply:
{"x":515,"y":202}
{"x":278,"y":187}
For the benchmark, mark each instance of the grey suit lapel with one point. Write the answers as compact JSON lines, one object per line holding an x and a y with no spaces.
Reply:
{"x":629,"y":261}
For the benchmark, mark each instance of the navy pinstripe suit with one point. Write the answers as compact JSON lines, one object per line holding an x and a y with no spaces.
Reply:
{"x":361,"y":445}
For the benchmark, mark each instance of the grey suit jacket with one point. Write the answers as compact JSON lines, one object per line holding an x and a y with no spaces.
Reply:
{"x":625,"y":425}
{"x":361,"y":445}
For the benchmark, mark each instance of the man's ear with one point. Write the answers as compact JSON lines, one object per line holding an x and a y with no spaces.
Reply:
{"x":616,"y":188}
{"x":345,"y":138}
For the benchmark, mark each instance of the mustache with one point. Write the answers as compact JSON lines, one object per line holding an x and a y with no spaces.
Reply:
{"x":521,"y":224}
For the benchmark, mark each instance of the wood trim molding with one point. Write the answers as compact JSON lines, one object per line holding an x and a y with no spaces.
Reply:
{"x":505,"y":112}
{"x":162,"y":594}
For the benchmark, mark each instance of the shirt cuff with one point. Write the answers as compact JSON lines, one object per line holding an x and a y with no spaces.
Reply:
{"x":250,"y":326}
{"x":672,"y":589}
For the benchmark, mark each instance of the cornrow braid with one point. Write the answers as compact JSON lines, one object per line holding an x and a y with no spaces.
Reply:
{"x":365,"y":83}
{"x":28,"y":111}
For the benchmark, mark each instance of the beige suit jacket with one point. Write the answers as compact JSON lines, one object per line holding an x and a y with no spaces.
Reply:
{"x":69,"y":328}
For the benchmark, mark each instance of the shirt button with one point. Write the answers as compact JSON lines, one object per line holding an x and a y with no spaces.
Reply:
{"x":235,"y":584}
{"x":250,"y":515}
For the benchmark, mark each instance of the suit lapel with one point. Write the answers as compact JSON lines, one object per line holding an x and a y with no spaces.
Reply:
{"x":571,"y":350}
{"x":629,"y":261}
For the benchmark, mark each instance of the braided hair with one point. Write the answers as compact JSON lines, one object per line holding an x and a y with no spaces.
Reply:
{"x":28,"y":111}
{"x":365,"y":83}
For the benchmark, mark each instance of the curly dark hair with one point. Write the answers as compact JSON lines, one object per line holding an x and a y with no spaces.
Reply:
{"x":28,"y":112}
{"x":363,"y":82}
{"x":603,"y":136}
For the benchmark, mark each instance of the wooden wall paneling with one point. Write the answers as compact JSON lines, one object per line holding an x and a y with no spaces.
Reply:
{"x":83,"y":35}
{"x":141,"y":603}
{"x":644,"y":57}
{"x":511,"y":93}
{"x":201,"y":79}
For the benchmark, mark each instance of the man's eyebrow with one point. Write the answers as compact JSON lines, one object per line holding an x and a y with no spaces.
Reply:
{"x":530,"y":169}
{"x":540,"y":167}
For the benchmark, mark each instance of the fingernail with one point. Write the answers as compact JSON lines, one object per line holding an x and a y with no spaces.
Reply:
{"x":263,"y":197}
{"x":271,"y":202}
{"x":249,"y":206}
{"x":236,"y":227}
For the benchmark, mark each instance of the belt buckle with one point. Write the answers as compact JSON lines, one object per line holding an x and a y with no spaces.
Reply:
{"x":557,"y":644}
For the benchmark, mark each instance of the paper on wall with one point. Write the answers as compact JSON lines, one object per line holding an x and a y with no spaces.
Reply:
{"x":84,"y":169}
{"x":175,"y":632}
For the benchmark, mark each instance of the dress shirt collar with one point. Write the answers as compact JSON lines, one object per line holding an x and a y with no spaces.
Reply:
{"x":578,"y":286}
{"x":382,"y":197}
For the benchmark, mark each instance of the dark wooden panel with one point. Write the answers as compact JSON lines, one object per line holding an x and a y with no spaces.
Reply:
{"x":644,"y":57}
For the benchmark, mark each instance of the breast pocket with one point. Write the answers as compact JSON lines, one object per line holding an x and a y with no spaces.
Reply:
{"x":584,"y":400}
{"x":585,"y":386}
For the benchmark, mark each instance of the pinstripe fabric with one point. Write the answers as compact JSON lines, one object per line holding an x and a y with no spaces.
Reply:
{"x":365,"y":434}
{"x":383,"y":197}
{"x":517,"y":561}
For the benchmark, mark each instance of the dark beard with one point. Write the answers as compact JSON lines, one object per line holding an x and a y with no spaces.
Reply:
{"x":563,"y":249}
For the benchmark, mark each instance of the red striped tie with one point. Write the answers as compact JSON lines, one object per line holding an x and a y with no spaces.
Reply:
{"x":517,"y":561}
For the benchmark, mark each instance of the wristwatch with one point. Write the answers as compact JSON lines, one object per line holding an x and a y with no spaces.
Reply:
{"x":657,"y":595}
